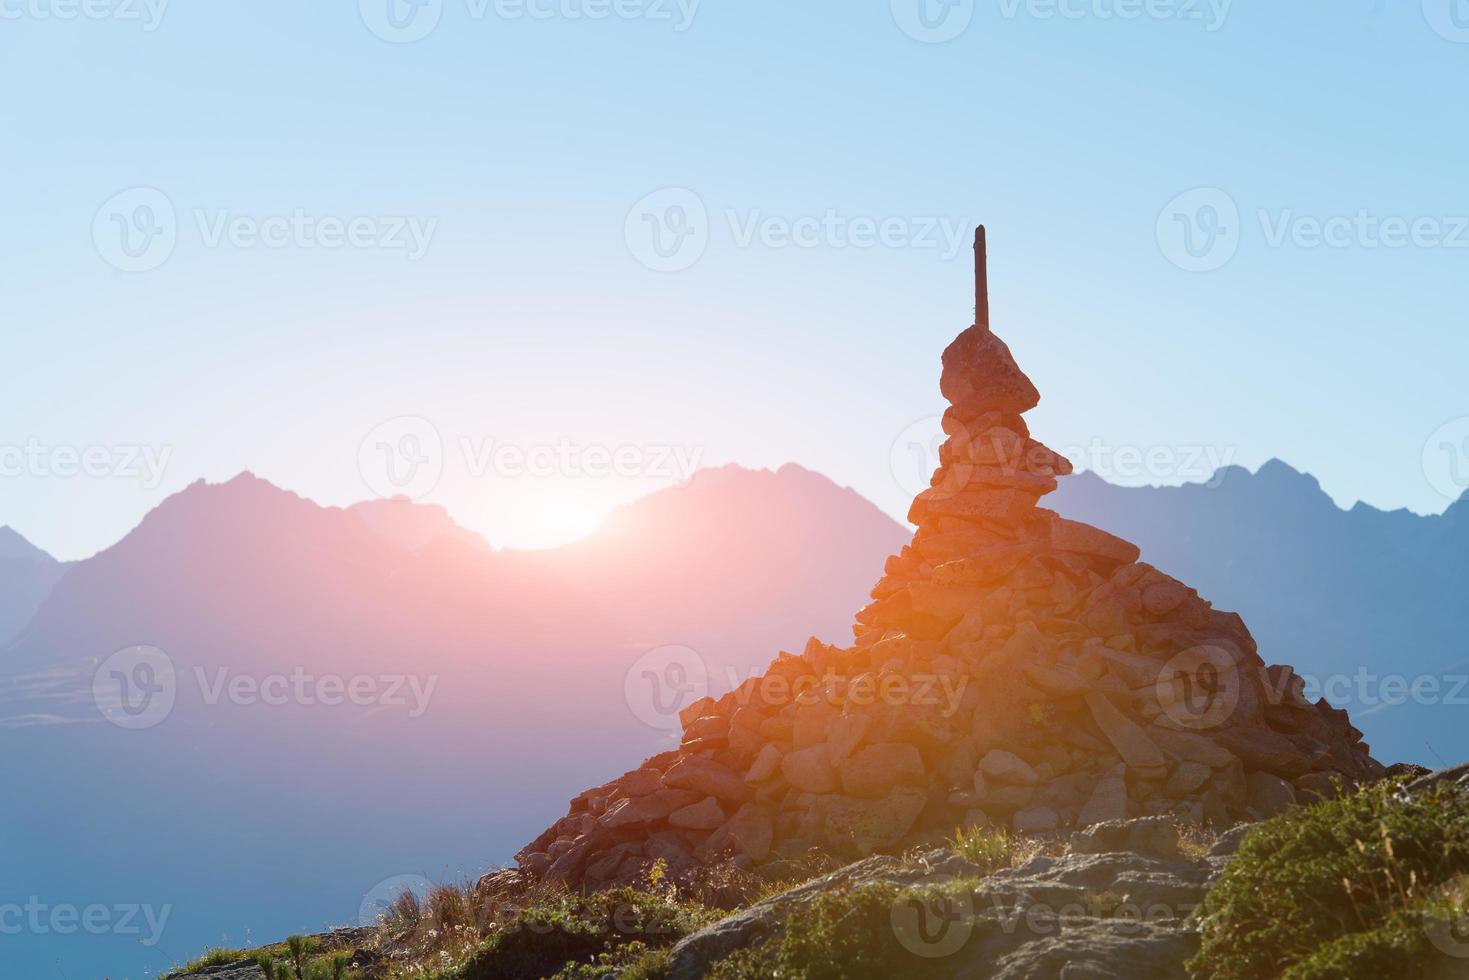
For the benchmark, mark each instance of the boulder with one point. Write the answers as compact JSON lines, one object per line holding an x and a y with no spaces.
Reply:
{"x":812,"y":724}
{"x":749,"y":832}
{"x":1155,"y":837}
{"x":641,"y":782}
{"x":1270,"y":794}
{"x":707,"y":778}
{"x":1190,"y":747}
{"x":698,"y":709}
{"x":1037,"y":819}
{"x":870,"y":825}
{"x":846,"y":734}
{"x":767,"y":761}
{"x":1186,"y":778}
{"x":972,"y":504}
{"x":704,"y":815}
{"x":1126,"y":736}
{"x":1007,"y":769}
{"x":1084,"y":539}
{"x":877,"y":770}
{"x":1060,"y":682}
{"x":645,"y":809}
{"x":669,"y":848}
{"x":809,"y":770}
{"x":980,"y":376}
{"x":1161,"y":598}
{"x":1108,"y":801}
{"x":1261,"y":748}
{"x":1319,"y":786}
{"x":709,"y":726}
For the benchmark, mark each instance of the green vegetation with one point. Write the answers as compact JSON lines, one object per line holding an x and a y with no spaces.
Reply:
{"x":633,"y":961}
{"x":298,"y":958}
{"x":992,"y":850}
{"x":846,"y":934}
{"x":561,"y":933}
{"x":300,"y":962}
{"x":1366,"y":886}
{"x":214,"y":957}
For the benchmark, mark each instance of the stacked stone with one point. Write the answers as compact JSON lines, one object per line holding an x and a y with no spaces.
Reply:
{"x":1015,"y":669}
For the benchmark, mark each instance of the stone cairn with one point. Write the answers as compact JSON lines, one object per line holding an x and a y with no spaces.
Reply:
{"x":1015,"y":669}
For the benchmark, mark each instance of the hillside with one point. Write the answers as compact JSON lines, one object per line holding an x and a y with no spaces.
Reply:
{"x":27,"y":575}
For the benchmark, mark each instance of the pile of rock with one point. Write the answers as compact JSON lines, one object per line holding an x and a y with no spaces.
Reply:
{"x":1015,"y":669}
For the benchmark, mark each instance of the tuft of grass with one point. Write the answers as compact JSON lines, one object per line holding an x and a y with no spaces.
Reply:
{"x":1351,"y":887}
{"x":992,"y":850}
{"x":631,"y":961}
{"x":437,"y":933}
{"x":1196,"y":842}
{"x":405,"y":913}
{"x":557,"y":933}
{"x":298,"y":958}
{"x":450,"y":907}
{"x":214,"y":957}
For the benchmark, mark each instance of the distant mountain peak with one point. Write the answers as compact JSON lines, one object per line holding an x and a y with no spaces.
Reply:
{"x":14,"y":545}
{"x":1280,"y":470}
{"x":411,"y":524}
{"x":1274,"y":475}
{"x":709,"y":476}
{"x":1459,"y":509}
{"x":242,"y":482}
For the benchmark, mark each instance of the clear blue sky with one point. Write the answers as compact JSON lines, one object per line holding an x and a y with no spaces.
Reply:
{"x":525,"y":143}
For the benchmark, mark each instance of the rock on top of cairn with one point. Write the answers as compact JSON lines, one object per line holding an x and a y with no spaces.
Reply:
{"x":980,"y":374}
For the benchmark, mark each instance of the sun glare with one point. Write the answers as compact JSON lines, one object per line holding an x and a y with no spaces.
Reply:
{"x":544,"y":516}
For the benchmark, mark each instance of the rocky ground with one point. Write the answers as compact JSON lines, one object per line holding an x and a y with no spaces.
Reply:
{"x":1114,"y":905}
{"x":1120,"y":900}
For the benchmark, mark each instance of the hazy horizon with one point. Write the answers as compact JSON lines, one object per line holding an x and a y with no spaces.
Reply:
{"x":579,"y":535}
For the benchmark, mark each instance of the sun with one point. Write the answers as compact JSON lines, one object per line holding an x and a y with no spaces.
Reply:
{"x":537,"y":514}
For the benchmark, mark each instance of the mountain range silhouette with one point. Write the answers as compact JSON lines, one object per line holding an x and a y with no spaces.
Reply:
{"x":530,"y":654}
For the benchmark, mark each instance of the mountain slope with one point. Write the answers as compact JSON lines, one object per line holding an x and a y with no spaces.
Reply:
{"x":737,"y":563}
{"x":520,"y":662}
{"x":27,"y":575}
